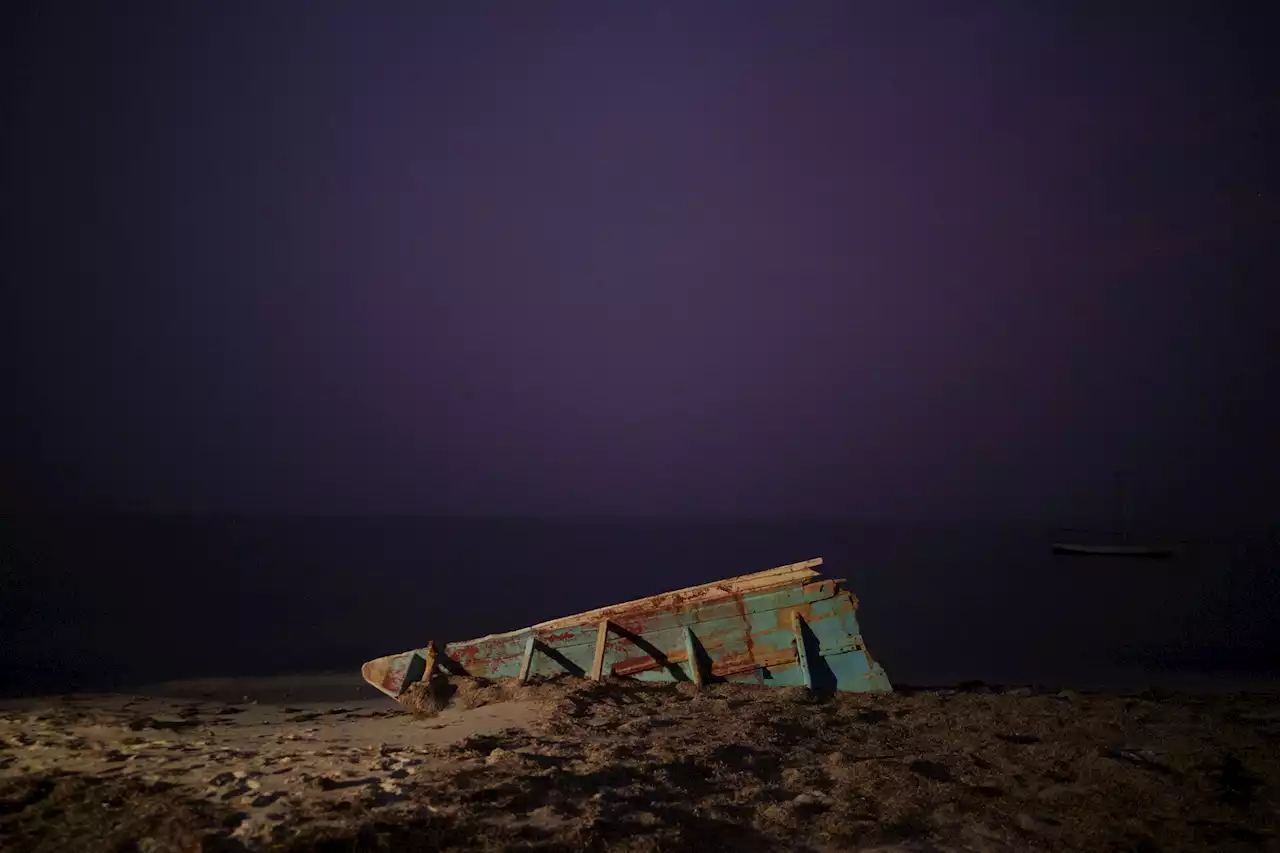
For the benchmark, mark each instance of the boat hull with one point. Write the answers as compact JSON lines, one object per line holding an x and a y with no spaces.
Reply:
{"x":783,"y":627}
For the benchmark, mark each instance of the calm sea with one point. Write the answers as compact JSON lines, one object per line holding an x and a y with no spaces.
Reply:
{"x":104,"y":602}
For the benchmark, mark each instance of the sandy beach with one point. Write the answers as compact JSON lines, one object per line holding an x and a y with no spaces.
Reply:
{"x":325,"y":763}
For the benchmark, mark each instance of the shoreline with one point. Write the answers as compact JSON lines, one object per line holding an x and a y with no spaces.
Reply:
{"x":349,"y":686}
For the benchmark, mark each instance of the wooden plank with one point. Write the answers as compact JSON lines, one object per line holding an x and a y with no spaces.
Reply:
{"x":526,"y":666}
{"x":691,"y":651}
{"x":802,"y":656}
{"x":849,"y":643}
{"x":782,"y":575}
{"x":794,"y":574}
{"x":768,"y":660}
{"x":672,"y":619}
{"x":645,"y":664}
{"x":430,"y":669}
{"x":597,"y":664}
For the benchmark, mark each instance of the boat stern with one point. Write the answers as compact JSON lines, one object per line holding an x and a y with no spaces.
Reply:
{"x":393,"y":674}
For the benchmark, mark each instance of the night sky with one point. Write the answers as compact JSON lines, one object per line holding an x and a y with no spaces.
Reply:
{"x":906,"y":260}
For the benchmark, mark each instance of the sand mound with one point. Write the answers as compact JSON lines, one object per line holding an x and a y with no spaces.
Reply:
{"x":626,"y":766}
{"x":427,"y":700}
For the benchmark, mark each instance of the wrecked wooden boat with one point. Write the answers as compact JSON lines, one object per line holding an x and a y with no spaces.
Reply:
{"x":786,"y":626}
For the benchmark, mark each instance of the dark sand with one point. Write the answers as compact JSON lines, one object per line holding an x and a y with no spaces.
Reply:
{"x":573,"y":765}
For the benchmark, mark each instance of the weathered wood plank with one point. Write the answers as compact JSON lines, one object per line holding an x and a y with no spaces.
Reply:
{"x":597,"y":664}
{"x":750,"y":605}
{"x":526,"y":666}
{"x":691,"y":652}
{"x":672,"y":616}
{"x":767,"y":660}
{"x":430,"y":668}
{"x":740,"y":585}
{"x":802,"y":656}
{"x":647,"y":664}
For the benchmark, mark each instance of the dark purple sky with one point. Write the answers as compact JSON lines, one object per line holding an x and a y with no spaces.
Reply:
{"x":692,"y":258}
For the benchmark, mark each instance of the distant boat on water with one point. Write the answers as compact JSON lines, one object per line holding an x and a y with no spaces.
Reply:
{"x":1121,"y":548}
{"x":1070,"y":549}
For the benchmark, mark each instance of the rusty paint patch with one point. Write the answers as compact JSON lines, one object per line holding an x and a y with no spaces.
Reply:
{"x":780,"y":577}
{"x":631,"y":666}
{"x":734,"y":664}
{"x":740,"y":604}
